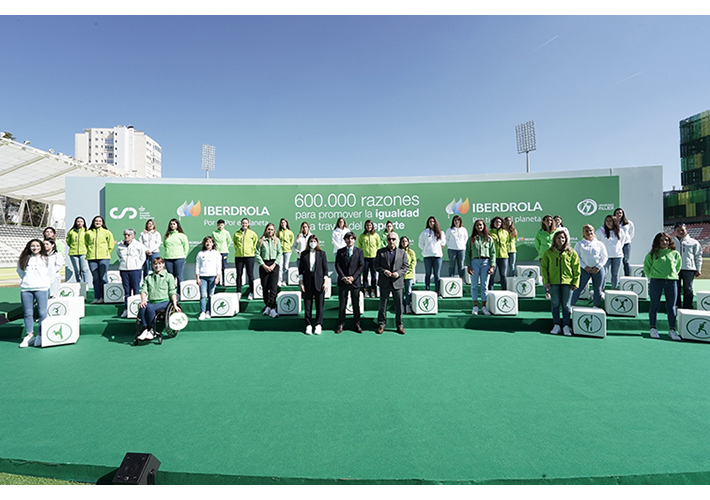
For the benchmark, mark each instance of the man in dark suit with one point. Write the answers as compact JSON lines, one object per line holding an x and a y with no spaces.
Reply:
{"x":349,"y":262}
{"x":391,"y":264}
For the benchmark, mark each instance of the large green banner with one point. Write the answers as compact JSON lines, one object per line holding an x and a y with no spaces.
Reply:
{"x":578,"y":200}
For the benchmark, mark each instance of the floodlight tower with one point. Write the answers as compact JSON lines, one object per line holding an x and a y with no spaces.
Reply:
{"x":207,"y":159}
{"x":525,"y":137}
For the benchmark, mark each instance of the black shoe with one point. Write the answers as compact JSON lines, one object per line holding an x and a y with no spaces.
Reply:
{"x":339,"y":329}
{"x":358,"y":328}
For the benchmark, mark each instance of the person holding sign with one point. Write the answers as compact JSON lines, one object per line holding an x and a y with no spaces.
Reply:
{"x":559,"y":267}
{"x":312,"y":270}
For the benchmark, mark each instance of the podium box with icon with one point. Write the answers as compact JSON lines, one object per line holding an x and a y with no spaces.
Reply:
{"x":66,"y":306}
{"x":529,"y":272}
{"x":636,"y":271}
{"x":224,"y":305}
{"x":60,"y":330}
{"x":258,"y":289}
{"x":133,"y":305}
{"x":637,"y":285}
{"x":113,"y":293}
{"x":114,"y":276}
{"x":69,"y":290}
{"x":288,"y":303}
{"x":292,"y":278}
{"x":502,"y":303}
{"x":702,"y":301}
{"x":328,"y":288}
{"x":589,"y":321}
{"x":694,"y":325}
{"x":425,"y":302}
{"x":621,"y":303}
{"x":189,"y":291}
{"x":523,"y":287}
{"x":349,"y":304}
{"x":451,"y":288}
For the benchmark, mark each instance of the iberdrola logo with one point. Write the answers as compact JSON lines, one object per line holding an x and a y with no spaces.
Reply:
{"x":189,"y":210}
{"x":459,"y":207}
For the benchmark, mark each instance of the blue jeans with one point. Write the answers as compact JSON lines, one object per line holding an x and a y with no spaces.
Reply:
{"x":206,"y":290}
{"x":613,"y":263}
{"x":99,"y":276}
{"x":131,"y":283}
{"x":148,"y":264}
{"x":456,"y":267}
{"x":656,"y":287}
{"x":147,"y":313}
{"x":511,"y":264}
{"x":407,"y":299}
{"x":81,"y":271}
{"x":598,"y":280}
{"x":432,"y":265}
{"x":225,"y":256}
{"x":480,"y":276}
{"x":369,"y":270}
{"x":28,"y":298}
{"x":627,"y":255}
{"x":175,"y":267}
{"x":561,"y":295}
{"x":285,"y":261}
{"x":502,"y":272}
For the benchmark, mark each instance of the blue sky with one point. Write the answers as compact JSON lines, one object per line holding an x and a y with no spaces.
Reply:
{"x":324,"y":96}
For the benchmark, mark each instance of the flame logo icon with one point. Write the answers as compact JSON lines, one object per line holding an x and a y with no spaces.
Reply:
{"x":460,"y":207}
{"x":191,"y":209}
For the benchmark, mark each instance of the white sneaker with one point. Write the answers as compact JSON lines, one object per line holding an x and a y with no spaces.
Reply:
{"x":485,"y":311}
{"x":274,"y":314}
{"x":475,"y":310}
{"x":309,"y":330}
{"x":100,"y":301}
{"x":673,"y":334}
{"x":267,"y":311}
{"x":317,"y":330}
{"x":144,"y":334}
{"x":250,"y":297}
{"x":150,"y":336}
{"x":208,"y":315}
{"x":555,"y":330}
{"x":566,"y":331}
{"x":281,"y":283}
{"x":654,"y":334}
{"x":38,"y":341}
{"x":124,"y":314}
{"x":26,"y":341}
{"x":201,"y":316}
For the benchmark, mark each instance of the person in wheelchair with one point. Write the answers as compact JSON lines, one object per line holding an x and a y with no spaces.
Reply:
{"x":157,"y":291}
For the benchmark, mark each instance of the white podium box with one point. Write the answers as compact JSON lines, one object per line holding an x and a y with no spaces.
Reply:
{"x":349,"y":304}
{"x":529,"y":272}
{"x":258,"y":289}
{"x":620,"y":303}
{"x":523,"y":287}
{"x":114,"y":276}
{"x":418,"y":277}
{"x":328,"y":287}
{"x":292,"y":276}
{"x":60,"y":330}
{"x":189,"y":291}
{"x":589,"y":321}
{"x":502,"y":303}
{"x":702,"y":301}
{"x":636,"y":271}
{"x":586,"y":292}
{"x":224,"y":305}
{"x":113,"y":293}
{"x":230,"y":277}
{"x":451,"y":288}
{"x":637,"y":285}
{"x":72,"y":290}
{"x":425,"y":302}
{"x":466,"y":277}
{"x":133,"y":305}
{"x":66,"y":306}
{"x":693,"y":324}
{"x":288,"y":303}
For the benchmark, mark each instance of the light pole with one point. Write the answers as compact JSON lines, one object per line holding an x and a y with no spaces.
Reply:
{"x":207,"y":159}
{"x":525,"y":137}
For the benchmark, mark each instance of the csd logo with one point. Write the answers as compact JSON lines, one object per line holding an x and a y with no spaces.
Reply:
{"x":128,"y":210}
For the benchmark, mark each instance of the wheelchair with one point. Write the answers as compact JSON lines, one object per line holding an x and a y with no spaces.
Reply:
{"x":161,"y":316}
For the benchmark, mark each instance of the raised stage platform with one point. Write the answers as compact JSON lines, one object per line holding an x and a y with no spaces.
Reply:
{"x":458,"y":399}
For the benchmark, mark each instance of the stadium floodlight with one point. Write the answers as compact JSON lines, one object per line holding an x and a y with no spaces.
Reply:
{"x":207,"y":159}
{"x":525,"y":137}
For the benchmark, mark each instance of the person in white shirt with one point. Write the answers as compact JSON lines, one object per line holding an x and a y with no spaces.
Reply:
{"x":131,"y":257}
{"x":208,"y":269}
{"x":592,"y":262}
{"x":340,"y":229}
{"x":150,"y":238}
{"x":691,"y":254}
{"x":613,"y":239}
{"x":627,"y":227}
{"x":432,"y":242}
{"x":56,"y":261}
{"x":36,"y":275}
{"x":302,"y":241}
{"x":456,"y":238}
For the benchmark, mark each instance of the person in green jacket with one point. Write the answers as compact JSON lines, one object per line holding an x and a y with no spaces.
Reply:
{"x":559,"y":267}
{"x":409,"y":276}
{"x":99,"y":243}
{"x":244,"y":250}
{"x":176,"y":246}
{"x":77,"y":250}
{"x":480,"y":258}
{"x":285,"y":236}
{"x":222,"y":238}
{"x":268,"y":256}
{"x":512,"y":249}
{"x":662,"y":266}
{"x":369,"y":242}
{"x":501,"y":238}
{"x":543,"y":238}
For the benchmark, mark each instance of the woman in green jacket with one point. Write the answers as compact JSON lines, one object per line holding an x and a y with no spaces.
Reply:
{"x":285,"y":236}
{"x":559,"y":267}
{"x":409,"y":276}
{"x":661,"y":267}
{"x":480,"y":257}
{"x":175,"y":249}
{"x":99,"y":243}
{"x":244,"y":241}
{"x":267,"y":257}
{"x":369,"y":242}
{"x":77,"y":250}
{"x":501,"y":237}
{"x":222,"y":239}
{"x":543,"y":238}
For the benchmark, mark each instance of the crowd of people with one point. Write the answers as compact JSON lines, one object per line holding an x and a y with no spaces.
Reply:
{"x":376,"y":265}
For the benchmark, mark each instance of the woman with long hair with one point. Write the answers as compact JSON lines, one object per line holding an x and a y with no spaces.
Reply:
{"x":150,"y":239}
{"x":301,"y":244}
{"x":592,"y":262}
{"x":409,"y":276}
{"x":285,"y":236}
{"x":543,"y":238}
{"x":176,"y":247}
{"x":312,"y":272}
{"x":432,"y":241}
{"x":77,"y":250}
{"x":56,"y":261}
{"x":512,"y":249}
{"x":627,"y":228}
{"x":500,"y":238}
{"x":613,"y":238}
{"x":369,"y":242}
{"x":99,"y":243}
{"x":208,"y":270}
{"x":267,"y":257}
{"x":389,"y":227}
{"x":456,"y":238}
{"x":480,"y":258}
{"x":338,"y":233}
{"x":36,"y":273}
{"x":662,"y":266}
{"x":559,"y":267}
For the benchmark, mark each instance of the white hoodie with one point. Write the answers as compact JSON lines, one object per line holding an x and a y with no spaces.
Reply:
{"x":37,"y":275}
{"x":430,"y":246}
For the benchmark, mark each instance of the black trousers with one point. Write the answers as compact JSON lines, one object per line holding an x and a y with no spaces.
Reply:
{"x":354,"y":292}
{"x":309,"y":296}
{"x":245,"y":262}
{"x":269,"y":284}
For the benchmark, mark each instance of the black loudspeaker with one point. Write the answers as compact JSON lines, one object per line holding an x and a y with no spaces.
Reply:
{"x":137,"y":468}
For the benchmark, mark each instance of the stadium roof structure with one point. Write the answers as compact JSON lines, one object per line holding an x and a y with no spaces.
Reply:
{"x":27,"y":173}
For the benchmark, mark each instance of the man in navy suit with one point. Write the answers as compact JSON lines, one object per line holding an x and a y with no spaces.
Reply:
{"x":349,"y":262}
{"x":391,"y":264}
